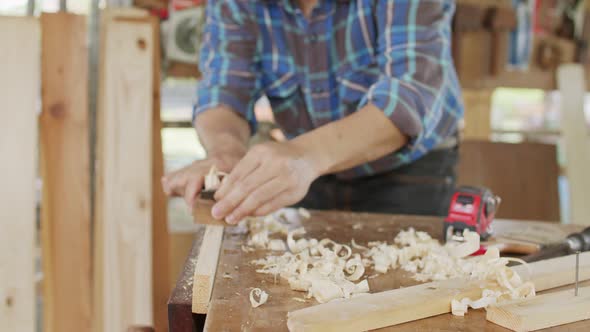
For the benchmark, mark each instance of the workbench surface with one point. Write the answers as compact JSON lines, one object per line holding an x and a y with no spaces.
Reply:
{"x":230,"y":308}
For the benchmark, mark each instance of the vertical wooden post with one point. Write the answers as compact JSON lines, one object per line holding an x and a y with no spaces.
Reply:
{"x":576,"y":137}
{"x":19,"y":93}
{"x":160,"y":235}
{"x":65,"y":170}
{"x":124,"y":197}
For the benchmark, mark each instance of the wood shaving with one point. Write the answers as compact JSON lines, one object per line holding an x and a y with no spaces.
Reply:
{"x":304,"y":213}
{"x":213,"y":179}
{"x":227,"y":276}
{"x":299,"y":299}
{"x":329,"y":271}
{"x":277,"y":245}
{"x":258,"y":297}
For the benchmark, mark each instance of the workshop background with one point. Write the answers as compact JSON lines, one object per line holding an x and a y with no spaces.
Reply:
{"x":77,"y":78}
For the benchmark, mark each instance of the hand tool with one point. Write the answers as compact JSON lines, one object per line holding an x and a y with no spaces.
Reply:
{"x":206,"y":200}
{"x":471,"y":208}
{"x":571,"y":244}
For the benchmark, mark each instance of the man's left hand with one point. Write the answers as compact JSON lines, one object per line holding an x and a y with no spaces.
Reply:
{"x":270,"y":176}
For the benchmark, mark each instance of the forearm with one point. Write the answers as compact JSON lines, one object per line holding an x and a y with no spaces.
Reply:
{"x":223,"y":133}
{"x":362,"y":137}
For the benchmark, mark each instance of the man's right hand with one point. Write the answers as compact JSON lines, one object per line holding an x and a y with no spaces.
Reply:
{"x":187,"y":182}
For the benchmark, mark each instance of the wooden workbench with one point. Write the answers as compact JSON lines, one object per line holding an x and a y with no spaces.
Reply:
{"x":230,"y":308}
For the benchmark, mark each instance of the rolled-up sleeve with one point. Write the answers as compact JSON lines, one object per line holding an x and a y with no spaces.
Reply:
{"x":228,"y":60}
{"x":413,"y":53}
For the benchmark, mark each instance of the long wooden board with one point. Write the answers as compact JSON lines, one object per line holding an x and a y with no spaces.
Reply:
{"x":65,"y":170}
{"x":206,"y":268}
{"x":412,"y":303}
{"x":160,"y":234}
{"x":542,"y":311}
{"x":576,"y":136}
{"x":124,"y":197}
{"x":19,"y":93}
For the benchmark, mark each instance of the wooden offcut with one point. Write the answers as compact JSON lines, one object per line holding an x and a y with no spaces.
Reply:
{"x":542,"y":311}
{"x":124,"y":199}
{"x":19,"y":92}
{"x":65,"y":217}
{"x":206,"y":268}
{"x":412,"y":303}
{"x":576,"y":139}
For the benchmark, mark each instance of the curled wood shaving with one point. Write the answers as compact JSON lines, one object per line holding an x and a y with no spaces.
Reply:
{"x":277,"y":245}
{"x":258,"y":297}
{"x":213,"y":179}
{"x":304,"y":213}
{"x":355,"y":268}
{"x":329,"y":271}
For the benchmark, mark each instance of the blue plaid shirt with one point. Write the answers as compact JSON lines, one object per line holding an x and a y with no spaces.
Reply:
{"x":395,"y":54}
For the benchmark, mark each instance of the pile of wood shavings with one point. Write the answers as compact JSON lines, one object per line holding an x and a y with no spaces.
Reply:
{"x":328,"y":270}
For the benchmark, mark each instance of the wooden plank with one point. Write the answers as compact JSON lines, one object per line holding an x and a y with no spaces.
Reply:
{"x":412,"y":303}
{"x":107,"y":15}
{"x":576,"y":137}
{"x":20,"y":55}
{"x":180,"y":314}
{"x":206,"y":268}
{"x":542,"y":311}
{"x":160,"y":234}
{"x":125,"y":174}
{"x":524,"y":175}
{"x":65,"y":170}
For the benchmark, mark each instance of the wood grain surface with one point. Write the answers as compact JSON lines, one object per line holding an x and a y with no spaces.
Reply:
{"x":542,"y":311}
{"x":125,"y":174}
{"x":230,"y":308}
{"x":206,"y":268}
{"x":65,"y":216}
{"x":20,"y":56}
{"x":160,"y":233}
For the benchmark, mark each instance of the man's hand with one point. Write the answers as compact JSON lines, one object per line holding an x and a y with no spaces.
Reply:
{"x":224,"y":135}
{"x":269,"y":177}
{"x":188,"y":181}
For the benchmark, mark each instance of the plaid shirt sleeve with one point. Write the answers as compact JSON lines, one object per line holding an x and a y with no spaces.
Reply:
{"x":413,"y":49}
{"x":228,"y":60}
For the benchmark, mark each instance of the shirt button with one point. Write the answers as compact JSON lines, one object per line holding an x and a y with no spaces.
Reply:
{"x":313,"y":38}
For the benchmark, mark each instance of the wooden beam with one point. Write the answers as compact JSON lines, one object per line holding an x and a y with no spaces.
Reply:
{"x":106,"y":16}
{"x":412,"y":303}
{"x":576,"y":137}
{"x":20,"y":55}
{"x":160,"y":234}
{"x":124,"y":198}
{"x":65,"y":165}
{"x":206,"y":267}
{"x":542,"y":311}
